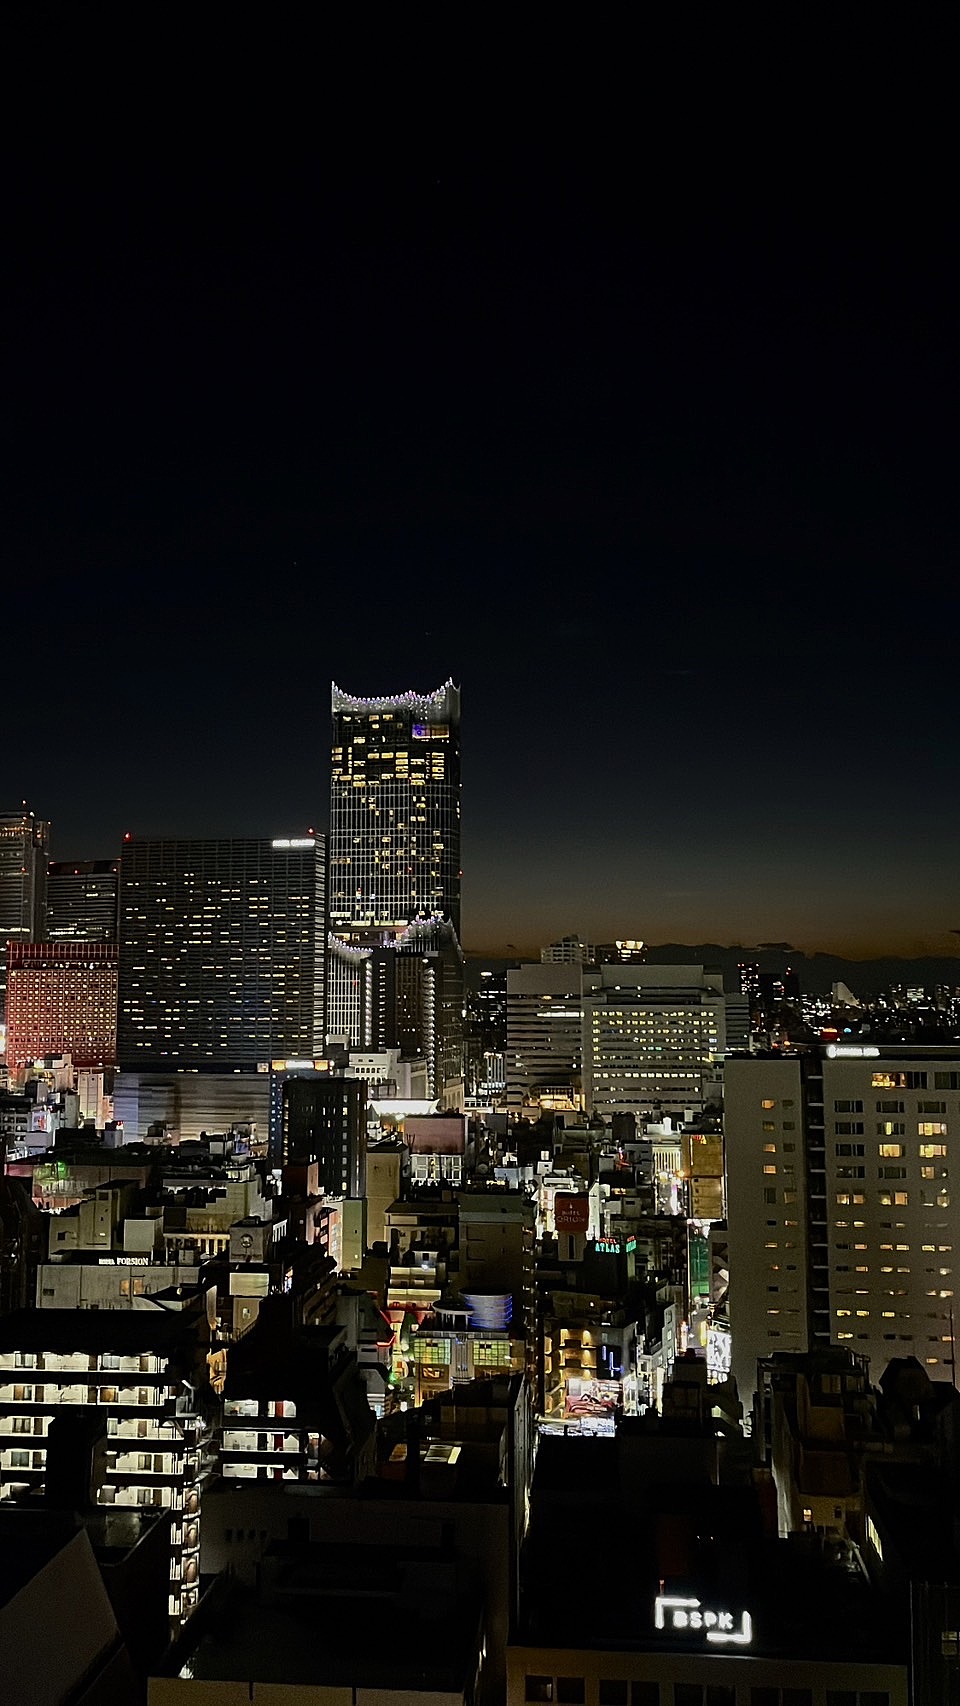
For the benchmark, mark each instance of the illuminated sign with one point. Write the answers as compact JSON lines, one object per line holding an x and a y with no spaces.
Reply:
{"x":718,"y":1352}
{"x":303,"y":841}
{"x":852,"y":1051}
{"x":124,"y":1261}
{"x":690,"y":1617}
{"x":613,"y":1247}
{"x":571,"y":1211}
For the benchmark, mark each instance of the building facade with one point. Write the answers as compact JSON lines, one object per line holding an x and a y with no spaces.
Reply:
{"x":653,"y":1038}
{"x":839,"y":1196}
{"x":139,"y":1371}
{"x":221,"y":953}
{"x":324,"y":1119}
{"x":82,"y":900}
{"x":23,"y":884}
{"x":544,"y":1046}
{"x":394,"y":844}
{"x":62,"y":999}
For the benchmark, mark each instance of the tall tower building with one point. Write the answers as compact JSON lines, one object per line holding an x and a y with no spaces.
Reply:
{"x":82,"y":900}
{"x":221,"y":953}
{"x":394,"y":844}
{"x":23,"y":871}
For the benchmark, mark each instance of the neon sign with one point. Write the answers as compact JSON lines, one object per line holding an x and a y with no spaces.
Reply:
{"x":690,"y":1617}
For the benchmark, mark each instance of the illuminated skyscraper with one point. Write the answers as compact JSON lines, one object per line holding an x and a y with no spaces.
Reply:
{"x":221,"y":953}
{"x":394,"y":844}
{"x":23,"y":887}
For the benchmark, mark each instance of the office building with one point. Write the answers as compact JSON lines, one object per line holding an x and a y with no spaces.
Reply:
{"x":544,"y":1046}
{"x":840,"y":1217}
{"x":82,"y":900}
{"x":394,"y":844}
{"x":221,"y":953}
{"x":653,"y":1039}
{"x":61,"y":1000}
{"x":23,"y":884}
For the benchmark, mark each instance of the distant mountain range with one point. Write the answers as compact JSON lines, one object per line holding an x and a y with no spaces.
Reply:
{"x":817,"y":972}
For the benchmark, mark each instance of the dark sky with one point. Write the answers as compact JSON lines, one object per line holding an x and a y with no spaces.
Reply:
{"x":620,"y":386}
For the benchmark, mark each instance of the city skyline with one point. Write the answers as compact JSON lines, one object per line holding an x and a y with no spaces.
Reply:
{"x":533,"y":913}
{"x":654,"y":460}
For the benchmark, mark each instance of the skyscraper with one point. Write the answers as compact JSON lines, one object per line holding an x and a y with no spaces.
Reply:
{"x":82,"y":900}
{"x":394,"y":844}
{"x":221,"y":953}
{"x":23,"y":871}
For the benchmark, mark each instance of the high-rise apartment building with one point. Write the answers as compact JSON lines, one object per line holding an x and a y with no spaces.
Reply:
{"x":82,"y":900}
{"x":221,"y":953}
{"x":23,"y":887}
{"x":842,"y":1225}
{"x":62,"y":999}
{"x":394,"y":843}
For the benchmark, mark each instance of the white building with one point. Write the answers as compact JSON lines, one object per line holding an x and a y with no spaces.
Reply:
{"x":842,"y":1227}
{"x":653,"y":1039}
{"x":140,"y":1371}
{"x":544,"y":1049}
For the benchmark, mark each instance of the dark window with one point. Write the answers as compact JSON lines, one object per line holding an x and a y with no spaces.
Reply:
{"x":539,"y":1688}
{"x":687,"y":1694}
{"x":719,"y":1694}
{"x":841,"y":1697}
{"x":644,"y":1694}
{"x":764,"y":1697}
{"x":796,"y":1697}
{"x":612,"y":1693}
{"x":874,"y":1697}
{"x":571,"y":1689}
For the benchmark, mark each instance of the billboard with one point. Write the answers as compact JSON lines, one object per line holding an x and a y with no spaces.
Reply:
{"x":435,"y":1134}
{"x":571,"y":1211}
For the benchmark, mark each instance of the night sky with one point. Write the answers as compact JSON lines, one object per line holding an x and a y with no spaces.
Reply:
{"x":635,"y":413}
